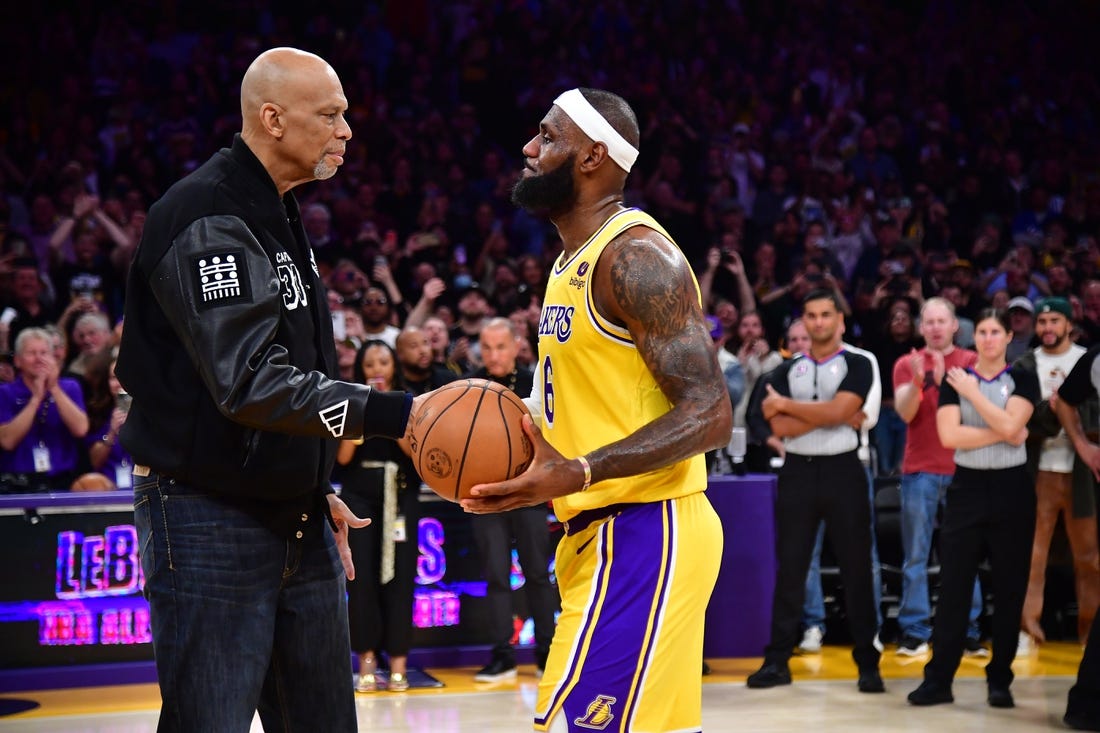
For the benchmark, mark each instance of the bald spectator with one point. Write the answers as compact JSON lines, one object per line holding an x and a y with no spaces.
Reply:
{"x":417,"y":365}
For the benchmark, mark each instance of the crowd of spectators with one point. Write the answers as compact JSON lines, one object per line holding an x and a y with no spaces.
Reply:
{"x":893,"y":151}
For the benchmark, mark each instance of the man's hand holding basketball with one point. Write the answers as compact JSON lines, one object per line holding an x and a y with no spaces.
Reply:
{"x":550,"y":475}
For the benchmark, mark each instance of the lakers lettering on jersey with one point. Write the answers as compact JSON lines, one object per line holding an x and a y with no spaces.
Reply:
{"x":595,"y":386}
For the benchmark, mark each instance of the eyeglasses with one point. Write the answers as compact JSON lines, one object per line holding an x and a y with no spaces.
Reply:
{"x":376,"y":301}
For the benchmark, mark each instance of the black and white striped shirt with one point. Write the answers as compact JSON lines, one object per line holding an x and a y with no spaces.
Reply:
{"x":808,"y":380}
{"x":1012,"y":381}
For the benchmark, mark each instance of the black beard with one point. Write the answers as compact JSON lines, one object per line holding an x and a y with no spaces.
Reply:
{"x":551,"y":193}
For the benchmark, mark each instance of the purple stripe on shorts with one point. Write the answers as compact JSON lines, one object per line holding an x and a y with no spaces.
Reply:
{"x":601,"y":538}
{"x":658,"y":613}
{"x":618,"y":637}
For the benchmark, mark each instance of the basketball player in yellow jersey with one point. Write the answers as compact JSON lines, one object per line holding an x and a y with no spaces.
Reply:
{"x":628,"y":396}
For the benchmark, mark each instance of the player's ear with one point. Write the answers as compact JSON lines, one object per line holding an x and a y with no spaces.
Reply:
{"x":595,"y":155}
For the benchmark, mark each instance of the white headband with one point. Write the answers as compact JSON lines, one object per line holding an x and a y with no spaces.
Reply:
{"x":593,"y":124}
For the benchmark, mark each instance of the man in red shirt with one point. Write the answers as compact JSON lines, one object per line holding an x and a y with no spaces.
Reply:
{"x":926,"y":468}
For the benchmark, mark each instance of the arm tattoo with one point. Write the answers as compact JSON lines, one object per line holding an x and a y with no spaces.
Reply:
{"x":652,"y":292}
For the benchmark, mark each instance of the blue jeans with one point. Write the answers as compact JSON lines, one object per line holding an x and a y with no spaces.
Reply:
{"x":921,"y":495}
{"x":242,"y":619}
{"x":813,"y":608}
{"x":889,"y":434}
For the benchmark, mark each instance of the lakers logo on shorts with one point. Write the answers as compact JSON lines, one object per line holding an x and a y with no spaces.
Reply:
{"x":599,"y":715}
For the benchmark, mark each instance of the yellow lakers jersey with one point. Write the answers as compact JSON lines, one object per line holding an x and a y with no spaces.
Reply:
{"x":596,"y":388}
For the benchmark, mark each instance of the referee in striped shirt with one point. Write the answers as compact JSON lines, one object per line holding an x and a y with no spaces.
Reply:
{"x":815,"y":403}
{"x":990,"y":511}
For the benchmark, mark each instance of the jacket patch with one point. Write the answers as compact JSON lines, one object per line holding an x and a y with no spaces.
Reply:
{"x":220,"y":278}
{"x":334,"y":418}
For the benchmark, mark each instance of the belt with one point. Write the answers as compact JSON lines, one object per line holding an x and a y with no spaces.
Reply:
{"x":810,"y":458}
{"x":588,"y":517}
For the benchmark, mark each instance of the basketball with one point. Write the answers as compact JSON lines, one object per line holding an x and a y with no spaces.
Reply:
{"x":467,"y":433}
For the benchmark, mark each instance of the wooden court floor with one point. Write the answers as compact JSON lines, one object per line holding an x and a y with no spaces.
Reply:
{"x":822,"y":698}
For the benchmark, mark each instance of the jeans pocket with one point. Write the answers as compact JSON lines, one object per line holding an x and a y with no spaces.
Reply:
{"x":146,"y":497}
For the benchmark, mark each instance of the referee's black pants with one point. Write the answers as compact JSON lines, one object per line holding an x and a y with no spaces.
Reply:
{"x":989,"y":513}
{"x":834,"y":489}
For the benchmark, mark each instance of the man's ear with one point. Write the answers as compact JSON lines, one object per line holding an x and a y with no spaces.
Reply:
{"x":272,"y":119}
{"x":594,"y":157}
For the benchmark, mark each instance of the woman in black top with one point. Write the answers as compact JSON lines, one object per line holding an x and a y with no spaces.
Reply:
{"x":990,"y":509}
{"x":379,"y":481}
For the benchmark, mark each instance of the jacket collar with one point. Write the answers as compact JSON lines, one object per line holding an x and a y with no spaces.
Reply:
{"x":243,"y":156}
{"x":274,"y":217}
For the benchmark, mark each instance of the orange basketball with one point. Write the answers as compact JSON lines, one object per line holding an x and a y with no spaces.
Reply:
{"x":467,"y":433}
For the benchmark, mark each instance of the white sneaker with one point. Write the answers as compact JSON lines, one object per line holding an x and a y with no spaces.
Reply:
{"x":912,"y":646}
{"x":1024,"y":647}
{"x":811,"y":640}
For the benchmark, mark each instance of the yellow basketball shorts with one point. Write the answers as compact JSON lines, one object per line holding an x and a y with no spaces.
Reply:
{"x":628,"y":649}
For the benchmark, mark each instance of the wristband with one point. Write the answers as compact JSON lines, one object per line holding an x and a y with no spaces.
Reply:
{"x":587,"y":472}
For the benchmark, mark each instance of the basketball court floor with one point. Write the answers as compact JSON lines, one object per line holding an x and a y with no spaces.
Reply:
{"x":823,"y":698}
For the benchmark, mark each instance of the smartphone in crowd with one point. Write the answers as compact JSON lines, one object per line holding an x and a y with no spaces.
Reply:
{"x":339,"y":326}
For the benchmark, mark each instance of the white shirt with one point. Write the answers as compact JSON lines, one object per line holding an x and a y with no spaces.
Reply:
{"x":1057,"y":452}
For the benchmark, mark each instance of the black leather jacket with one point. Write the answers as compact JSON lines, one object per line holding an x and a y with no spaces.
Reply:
{"x":228,"y":340}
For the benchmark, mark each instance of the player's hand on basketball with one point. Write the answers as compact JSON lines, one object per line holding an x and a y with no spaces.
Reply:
{"x":550,"y":475}
{"x":345,"y":521}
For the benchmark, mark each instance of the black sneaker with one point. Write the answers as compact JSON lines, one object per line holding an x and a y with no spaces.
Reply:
{"x":1080,"y":721}
{"x":497,"y":670}
{"x":930,"y":693}
{"x":1000,"y":697}
{"x":870,"y":680}
{"x":772,"y":674}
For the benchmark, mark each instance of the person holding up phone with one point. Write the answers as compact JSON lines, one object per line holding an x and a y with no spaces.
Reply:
{"x":108,"y":406}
